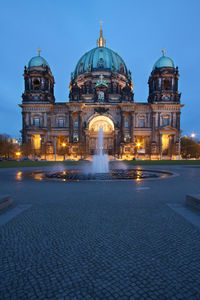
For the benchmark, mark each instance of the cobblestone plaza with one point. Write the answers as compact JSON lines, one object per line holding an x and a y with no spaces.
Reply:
{"x":100,"y":240}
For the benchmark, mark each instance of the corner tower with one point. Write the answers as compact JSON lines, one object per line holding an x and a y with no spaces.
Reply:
{"x":163,"y":81}
{"x":39,"y":81}
{"x":37,"y":100}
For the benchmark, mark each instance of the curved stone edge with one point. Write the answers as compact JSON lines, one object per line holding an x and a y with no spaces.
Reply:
{"x":193,"y":201}
{"x":5,"y":201}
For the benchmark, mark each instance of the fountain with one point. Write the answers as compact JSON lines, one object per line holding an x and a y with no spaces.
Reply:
{"x":99,"y":170}
{"x":100,"y":161}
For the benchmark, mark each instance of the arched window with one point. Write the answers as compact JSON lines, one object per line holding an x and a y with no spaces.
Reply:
{"x":101,"y":96}
{"x":36,"y":84}
{"x":75,"y":138}
{"x":126,"y":124}
{"x":60,"y":123}
{"x":127,"y":137}
{"x":36,"y":122}
{"x":141,"y":123}
{"x":165,"y":121}
{"x":81,"y":67}
{"x":166,"y":84}
{"x":121,"y":68}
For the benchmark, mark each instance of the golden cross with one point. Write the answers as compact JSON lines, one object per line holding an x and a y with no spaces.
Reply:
{"x":163,"y":52}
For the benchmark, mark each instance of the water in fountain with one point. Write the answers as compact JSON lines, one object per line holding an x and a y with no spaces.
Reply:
{"x":100,"y":161}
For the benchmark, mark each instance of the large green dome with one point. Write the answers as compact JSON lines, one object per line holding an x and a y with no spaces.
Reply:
{"x":100,"y":58}
{"x":163,"y":62}
{"x":38,"y":61}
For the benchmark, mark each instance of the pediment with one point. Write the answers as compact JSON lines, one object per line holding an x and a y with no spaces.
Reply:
{"x":167,"y":128}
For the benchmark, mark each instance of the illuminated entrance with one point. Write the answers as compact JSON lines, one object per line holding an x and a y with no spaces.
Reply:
{"x":36,"y":142}
{"x":108,"y":130}
{"x":167,"y":144}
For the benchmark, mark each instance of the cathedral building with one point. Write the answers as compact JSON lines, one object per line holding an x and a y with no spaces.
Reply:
{"x":101,"y":95}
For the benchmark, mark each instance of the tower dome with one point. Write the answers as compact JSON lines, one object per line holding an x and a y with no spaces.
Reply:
{"x":101,"y":76}
{"x":38,"y":61}
{"x":100,"y":58}
{"x":163,"y":62}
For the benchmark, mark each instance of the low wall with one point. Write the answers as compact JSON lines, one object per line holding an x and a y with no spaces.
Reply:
{"x":193,"y":201}
{"x":5,"y":201}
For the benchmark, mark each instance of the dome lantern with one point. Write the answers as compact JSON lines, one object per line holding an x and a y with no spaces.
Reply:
{"x":101,"y":42}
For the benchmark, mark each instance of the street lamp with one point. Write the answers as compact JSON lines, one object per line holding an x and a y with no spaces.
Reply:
{"x":138,"y":144}
{"x":18,"y":154}
{"x":193,"y":135}
{"x":64,"y":145}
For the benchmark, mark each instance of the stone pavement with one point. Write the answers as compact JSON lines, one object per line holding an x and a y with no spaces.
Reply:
{"x":99,"y":240}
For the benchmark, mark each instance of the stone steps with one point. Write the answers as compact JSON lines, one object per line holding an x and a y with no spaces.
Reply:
{"x":193,"y":201}
{"x":5,"y":201}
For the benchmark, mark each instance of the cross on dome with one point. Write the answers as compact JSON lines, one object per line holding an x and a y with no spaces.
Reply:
{"x":101,"y":42}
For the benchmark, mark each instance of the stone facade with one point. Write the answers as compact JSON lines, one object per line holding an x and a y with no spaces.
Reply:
{"x":101,"y":95}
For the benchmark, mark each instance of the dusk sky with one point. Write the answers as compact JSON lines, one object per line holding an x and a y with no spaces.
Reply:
{"x":65,"y":30}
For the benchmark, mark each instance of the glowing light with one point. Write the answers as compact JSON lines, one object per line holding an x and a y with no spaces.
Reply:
{"x":36,"y":141}
{"x":193,"y":135}
{"x":38,"y":176}
{"x":64,"y":172}
{"x":18,"y":154}
{"x":165,"y":142}
{"x":63,"y":144}
{"x":138,"y":144}
{"x":101,"y":121}
{"x":19,"y":176}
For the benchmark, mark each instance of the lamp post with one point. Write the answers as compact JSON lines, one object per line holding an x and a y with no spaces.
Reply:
{"x":64,"y":145}
{"x":138,"y":147}
{"x":18,"y":154}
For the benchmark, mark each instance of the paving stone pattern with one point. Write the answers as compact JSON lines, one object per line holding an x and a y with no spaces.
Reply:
{"x":100,"y":240}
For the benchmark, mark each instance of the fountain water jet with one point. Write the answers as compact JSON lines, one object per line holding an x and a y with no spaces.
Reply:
{"x":100,"y":161}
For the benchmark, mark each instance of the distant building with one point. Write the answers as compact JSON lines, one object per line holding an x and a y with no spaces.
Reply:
{"x":15,"y":141}
{"x":101,"y":95}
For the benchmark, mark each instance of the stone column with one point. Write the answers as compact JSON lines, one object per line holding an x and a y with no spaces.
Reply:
{"x":132,"y":127}
{"x":116,"y":144}
{"x":87,"y":142}
{"x":174,"y":120}
{"x":148,"y":150}
{"x":23,"y":127}
{"x":122,"y":126}
{"x":178,"y":121}
{"x":80,"y":126}
{"x":45,"y":119}
{"x":153,"y":126}
{"x":70,"y":127}
{"x":158,"y":119}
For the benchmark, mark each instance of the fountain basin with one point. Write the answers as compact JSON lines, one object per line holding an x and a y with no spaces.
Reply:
{"x":113,"y":175}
